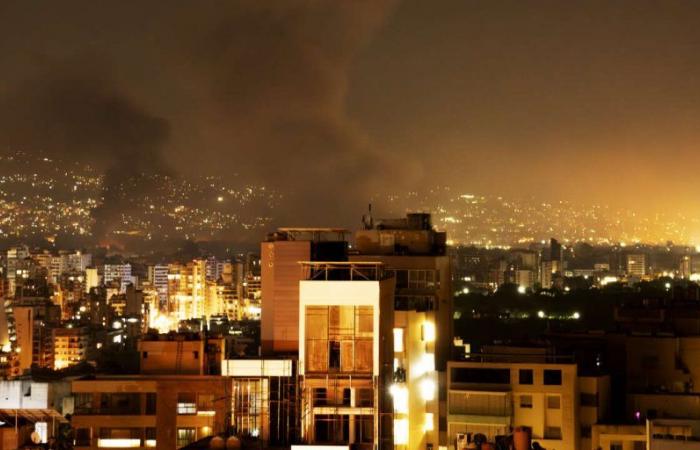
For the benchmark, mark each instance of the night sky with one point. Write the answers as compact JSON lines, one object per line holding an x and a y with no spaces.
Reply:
{"x":332,"y":102}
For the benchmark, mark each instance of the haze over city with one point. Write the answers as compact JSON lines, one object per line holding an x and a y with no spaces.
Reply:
{"x":337,"y":104}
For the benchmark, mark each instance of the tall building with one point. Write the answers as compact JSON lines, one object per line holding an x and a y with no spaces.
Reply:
{"x":346,"y":354}
{"x":636,"y":265}
{"x":120,"y":273}
{"x":556,"y":251}
{"x":33,"y":320}
{"x":281,"y":273}
{"x":14,"y":261}
{"x":70,"y":346}
{"x":158,"y":276}
{"x":415,"y":254}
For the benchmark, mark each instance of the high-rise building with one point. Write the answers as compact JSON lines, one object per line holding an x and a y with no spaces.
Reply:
{"x":70,"y":346}
{"x":556,"y":251}
{"x":636,"y":264}
{"x":281,"y":273}
{"x":92,"y":278}
{"x":415,"y":254}
{"x":120,"y":273}
{"x":158,"y":276}
{"x":346,"y":355}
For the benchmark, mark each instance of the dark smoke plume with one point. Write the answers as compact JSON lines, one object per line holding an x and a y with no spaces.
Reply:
{"x":251,"y":88}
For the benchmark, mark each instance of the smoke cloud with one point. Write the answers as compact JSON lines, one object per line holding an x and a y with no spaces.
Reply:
{"x":255,"y":89}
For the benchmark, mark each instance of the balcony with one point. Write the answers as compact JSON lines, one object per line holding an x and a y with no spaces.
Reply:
{"x":479,"y":407}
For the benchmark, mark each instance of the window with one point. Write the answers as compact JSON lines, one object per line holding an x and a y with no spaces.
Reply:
{"x":320,"y":397}
{"x":398,"y":340}
{"x":552,"y":433}
{"x":333,"y":355}
{"x":196,"y":354}
{"x":585,"y":431}
{"x":589,"y":399}
{"x":205,"y":402}
{"x":364,"y":397}
{"x":616,"y":445}
{"x":553,"y":402}
{"x":150,"y":403}
{"x":186,"y":403}
{"x":150,"y":437}
{"x":552,"y":377}
{"x":525,"y":376}
{"x":145,"y":355}
{"x":487,"y":376}
{"x":526,"y":401}
{"x":82,"y":437}
{"x":185,"y":436}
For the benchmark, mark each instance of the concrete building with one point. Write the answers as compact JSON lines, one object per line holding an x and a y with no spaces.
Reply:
{"x":158,"y":276}
{"x":118,"y":273}
{"x":281,"y":254}
{"x":148,"y":411}
{"x":180,"y":354}
{"x":636,"y":265}
{"x":33,"y":319}
{"x":28,"y":406}
{"x":346,"y":355}
{"x":492,"y":398}
{"x":265,"y":401}
{"x":70,"y":346}
{"x":414,"y":253}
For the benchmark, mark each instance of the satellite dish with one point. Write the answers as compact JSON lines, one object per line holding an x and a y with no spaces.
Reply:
{"x":35,"y":437}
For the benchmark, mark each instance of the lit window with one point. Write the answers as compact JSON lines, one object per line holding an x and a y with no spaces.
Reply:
{"x":398,"y":340}
{"x":429,"y":426}
{"x":428,"y":331}
{"x":400,"y":396}
{"x":400,"y":431}
{"x":427,"y":389}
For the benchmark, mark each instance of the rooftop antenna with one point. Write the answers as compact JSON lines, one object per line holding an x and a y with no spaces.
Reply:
{"x":367,"y":219}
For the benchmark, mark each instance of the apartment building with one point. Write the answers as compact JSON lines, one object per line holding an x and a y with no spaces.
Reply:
{"x":148,"y":411}
{"x":70,"y":346}
{"x":492,"y":398}
{"x":346,"y":354}
{"x":414,"y":253}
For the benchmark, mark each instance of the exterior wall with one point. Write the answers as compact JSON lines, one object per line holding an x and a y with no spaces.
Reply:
{"x":416,"y":357}
{"x":24,"y":395}
{"x":631,"y":437}
{"x":493,"y":408}
{"x":665,"y":405}
{"x":281,"y":274}
{"x":172,"y":357}
{"x":24,"y":328}
{"x":594,"y":405}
